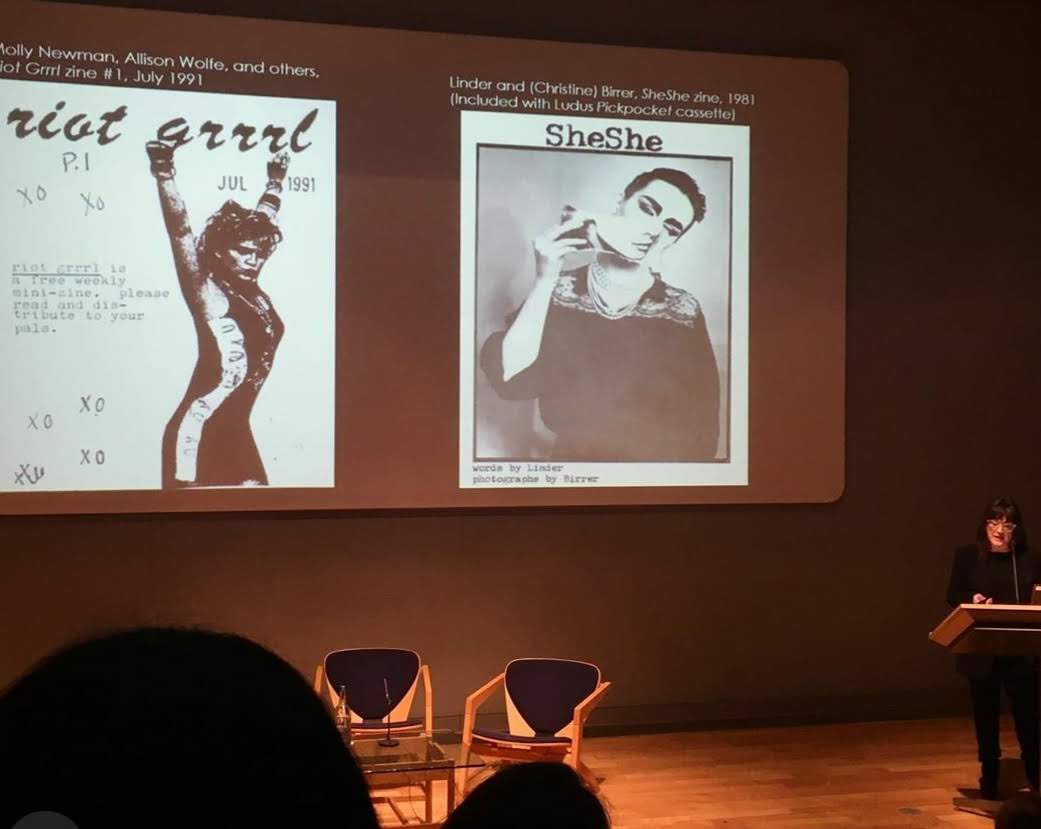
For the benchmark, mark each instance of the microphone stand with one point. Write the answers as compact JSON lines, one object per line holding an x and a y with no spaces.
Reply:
{"x":1015,"y":573}
{"x":388,"y":741}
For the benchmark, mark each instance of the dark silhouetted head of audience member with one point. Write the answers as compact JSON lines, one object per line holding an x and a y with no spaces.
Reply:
{"x":174,"y":728}
{"x":539,"y":795}
{"x":1023,"y":811}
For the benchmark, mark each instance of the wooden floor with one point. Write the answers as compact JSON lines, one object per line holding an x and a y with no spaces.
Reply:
{"x":868,"y":775}
{"x":877,"y":775}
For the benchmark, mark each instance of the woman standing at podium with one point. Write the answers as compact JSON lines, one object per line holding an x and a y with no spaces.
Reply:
{"x":999,"y":569}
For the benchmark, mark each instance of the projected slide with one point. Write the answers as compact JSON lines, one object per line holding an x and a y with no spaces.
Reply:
{"x":266,"y":265}
{"x":604,"y":309}
{"x":167,"y":311}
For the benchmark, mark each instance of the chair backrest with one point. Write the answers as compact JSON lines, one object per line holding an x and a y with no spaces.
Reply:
{"x":362,"y":672}
{"x":541,"y":694}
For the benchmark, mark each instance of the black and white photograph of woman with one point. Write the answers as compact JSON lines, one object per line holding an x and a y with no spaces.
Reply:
{"x":602,"y":307}
{"x":206,"y":339}
{"x":619,"y":360}
{"x":208,"y":441}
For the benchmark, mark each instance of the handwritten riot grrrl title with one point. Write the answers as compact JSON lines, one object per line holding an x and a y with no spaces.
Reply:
{"x":176,"y":131}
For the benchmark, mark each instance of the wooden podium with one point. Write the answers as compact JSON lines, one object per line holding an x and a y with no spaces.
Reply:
{"x":997,"y":629}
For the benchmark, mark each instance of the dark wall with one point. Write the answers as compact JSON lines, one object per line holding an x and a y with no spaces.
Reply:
{"x":703,"y":612}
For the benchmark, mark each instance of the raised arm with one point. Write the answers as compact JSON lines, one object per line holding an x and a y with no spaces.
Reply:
{"x":178,"y":227}
{"x":523,"y":340}
{"x":271,"y":200}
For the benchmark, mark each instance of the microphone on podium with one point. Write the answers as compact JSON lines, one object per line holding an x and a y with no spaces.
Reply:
{"x":1015,"y":570}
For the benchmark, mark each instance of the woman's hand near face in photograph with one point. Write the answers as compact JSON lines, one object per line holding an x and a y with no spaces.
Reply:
{"x":979,"y":598}
{"x":561,"y":239}
{"x":523,"y":340}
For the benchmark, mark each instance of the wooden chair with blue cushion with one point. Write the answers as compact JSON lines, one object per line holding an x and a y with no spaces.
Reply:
{"x":547,"y":704}
{"x":362,"y":672}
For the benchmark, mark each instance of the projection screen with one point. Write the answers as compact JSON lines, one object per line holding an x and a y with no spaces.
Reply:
{"x":276,"y":266}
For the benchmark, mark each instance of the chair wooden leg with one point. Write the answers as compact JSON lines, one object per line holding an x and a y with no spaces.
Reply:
{"x":397,"y":811}
{"x":469,"y":778}
{"x":392,"y":805}
{"x":587,"y":774}
{"x":465,"y":775}
{"x":462,"y":783}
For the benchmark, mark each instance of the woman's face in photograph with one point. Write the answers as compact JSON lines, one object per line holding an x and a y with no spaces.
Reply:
{"x":245,"y":259}
{"x":652,"y":218}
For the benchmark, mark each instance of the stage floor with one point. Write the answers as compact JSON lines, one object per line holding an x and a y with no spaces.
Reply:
{"x":870,"y":775}
{"x":889,"y":775}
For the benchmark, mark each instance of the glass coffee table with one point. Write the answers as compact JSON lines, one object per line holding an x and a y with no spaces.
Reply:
{"x":416,"y":761}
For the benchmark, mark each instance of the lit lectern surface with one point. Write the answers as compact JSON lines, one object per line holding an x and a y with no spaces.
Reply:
{"x":991,"y":628}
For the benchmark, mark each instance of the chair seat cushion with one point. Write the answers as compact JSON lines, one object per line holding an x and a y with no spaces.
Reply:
{"x":506,"y":737}
{"x":376,"y":725}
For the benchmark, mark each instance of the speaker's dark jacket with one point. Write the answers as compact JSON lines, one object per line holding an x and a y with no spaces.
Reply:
{"x":999,"y":576}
